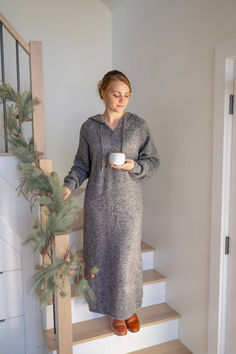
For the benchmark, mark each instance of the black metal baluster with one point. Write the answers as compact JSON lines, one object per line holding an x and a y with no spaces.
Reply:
{"x":3,"y":81}
{"x":54,"y":314}
{"x":53,"y":300}
{"x":17,"y":66}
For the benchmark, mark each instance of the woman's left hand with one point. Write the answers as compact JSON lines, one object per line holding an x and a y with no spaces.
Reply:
{"x":128,"y":165}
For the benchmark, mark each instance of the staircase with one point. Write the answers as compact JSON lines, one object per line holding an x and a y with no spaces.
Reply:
{"x":87,"y":332}
{"x":158,"y":321}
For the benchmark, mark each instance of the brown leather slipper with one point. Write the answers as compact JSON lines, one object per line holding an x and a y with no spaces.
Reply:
{"x":133,"y":323}
{"x":119,"y":327}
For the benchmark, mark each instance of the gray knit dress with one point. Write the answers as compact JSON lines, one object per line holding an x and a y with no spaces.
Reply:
{"x":113,"y":210}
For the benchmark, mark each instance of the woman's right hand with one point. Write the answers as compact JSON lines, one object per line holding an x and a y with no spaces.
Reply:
{"x":67,"y":192}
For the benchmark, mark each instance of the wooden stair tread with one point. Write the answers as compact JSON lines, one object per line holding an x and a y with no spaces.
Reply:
{"x":6,"y":154}
{"x":100,"y":327}
{"x":171,"y":347}
{"x":144,"y":248}
{"x":77,"y":192}
{"x":150,"y":276}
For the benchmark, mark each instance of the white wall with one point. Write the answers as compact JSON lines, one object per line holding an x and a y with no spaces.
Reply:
{"x":76,"y":37}
{"x":167,"y":50}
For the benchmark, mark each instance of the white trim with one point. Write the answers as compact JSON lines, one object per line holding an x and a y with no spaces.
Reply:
{"x":218,"y":263}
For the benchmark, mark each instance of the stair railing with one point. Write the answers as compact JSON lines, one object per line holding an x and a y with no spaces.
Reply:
{"x":34,"y":51}
{"x":63,"y":318}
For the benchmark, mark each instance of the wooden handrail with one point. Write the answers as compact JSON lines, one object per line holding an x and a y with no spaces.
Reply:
{"x":64,"y":336}
{"x":46,"y":166}
{"x":34,"y":50}
{"x":14,"y":33}
{"x":37,"y":89}
{"x":62,"y":306}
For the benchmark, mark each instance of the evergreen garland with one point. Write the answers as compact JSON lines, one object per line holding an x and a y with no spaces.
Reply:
{"x":46,"y":190}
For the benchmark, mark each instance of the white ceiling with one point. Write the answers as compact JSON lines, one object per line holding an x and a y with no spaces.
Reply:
{"x":111,"y":3}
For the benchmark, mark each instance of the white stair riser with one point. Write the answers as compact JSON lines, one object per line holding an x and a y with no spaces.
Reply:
{"x":148,"y":260}
{"x":152,"y":294}
{"x":146,"y":337}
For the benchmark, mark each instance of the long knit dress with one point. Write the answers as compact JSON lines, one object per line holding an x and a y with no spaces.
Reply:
{"x":113,"y":210}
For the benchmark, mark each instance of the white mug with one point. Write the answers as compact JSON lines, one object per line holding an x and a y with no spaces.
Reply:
{"x":117,"y":158}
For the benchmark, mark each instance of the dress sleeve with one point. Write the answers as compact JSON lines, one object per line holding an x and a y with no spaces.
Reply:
{"x":148,"y":159}
{"x":80,"y":170}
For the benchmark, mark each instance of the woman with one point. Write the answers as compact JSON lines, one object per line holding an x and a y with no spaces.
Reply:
{"x":113,"y":205}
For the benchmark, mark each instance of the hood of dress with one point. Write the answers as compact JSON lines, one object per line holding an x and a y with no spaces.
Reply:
{"x":98,"y":118}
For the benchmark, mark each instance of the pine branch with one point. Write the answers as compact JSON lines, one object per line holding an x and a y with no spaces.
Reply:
{"x":45,"y":189}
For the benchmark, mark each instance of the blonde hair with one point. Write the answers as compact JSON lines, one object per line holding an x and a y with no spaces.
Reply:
{"x":113,"y":75}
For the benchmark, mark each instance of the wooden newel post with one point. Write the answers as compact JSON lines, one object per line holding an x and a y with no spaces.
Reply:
{"x":46,"y":166}
{"x":37,"y":90}
{"x":63,"y":304}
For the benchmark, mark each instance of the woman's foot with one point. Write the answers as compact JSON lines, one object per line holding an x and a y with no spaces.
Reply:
{"x":132,"y":323}
{"x":119,"y":326}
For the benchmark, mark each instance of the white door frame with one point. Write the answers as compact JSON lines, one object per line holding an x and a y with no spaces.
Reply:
{"x":225,"y":53}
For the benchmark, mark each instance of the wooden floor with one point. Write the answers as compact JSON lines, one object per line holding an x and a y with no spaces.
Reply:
{"x":100,"y":327}
{"x":172,"y":347}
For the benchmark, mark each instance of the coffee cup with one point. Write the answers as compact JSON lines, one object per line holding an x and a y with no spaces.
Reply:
{"x":117,"y":158}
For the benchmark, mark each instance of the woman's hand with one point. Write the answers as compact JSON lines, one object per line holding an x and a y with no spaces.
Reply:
{"x":128,"y":165}
{"x":67,"y":192}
